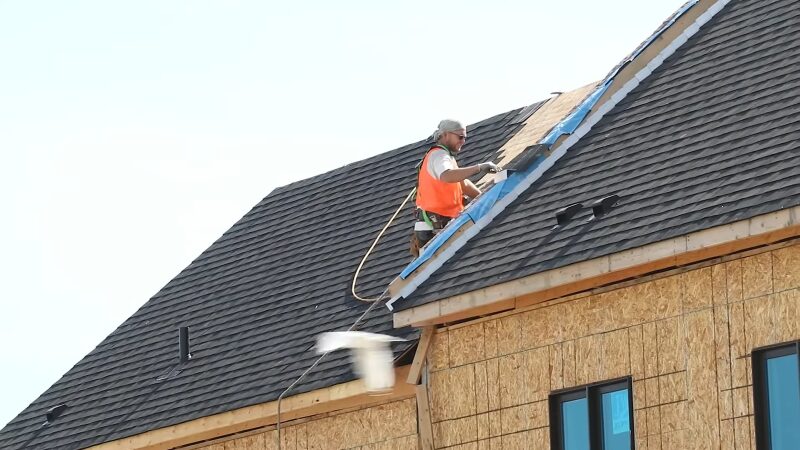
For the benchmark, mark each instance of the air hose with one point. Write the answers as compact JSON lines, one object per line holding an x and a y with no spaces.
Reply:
{"x":374,"y":243}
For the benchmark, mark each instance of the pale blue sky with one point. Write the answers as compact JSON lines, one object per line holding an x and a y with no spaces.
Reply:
{"x":134,"y":133}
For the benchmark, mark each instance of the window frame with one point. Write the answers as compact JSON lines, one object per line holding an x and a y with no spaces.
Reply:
{"x":758,"y":359}
{"x":593,"y":394}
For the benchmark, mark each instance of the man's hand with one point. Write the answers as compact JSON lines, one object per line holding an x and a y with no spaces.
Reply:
{"x":489,"y":167}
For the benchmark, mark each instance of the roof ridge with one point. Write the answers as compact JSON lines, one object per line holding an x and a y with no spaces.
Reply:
{"x":576,"y":125}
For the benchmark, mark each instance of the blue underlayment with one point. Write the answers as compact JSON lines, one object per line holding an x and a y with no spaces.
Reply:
{"x":568,"y":125}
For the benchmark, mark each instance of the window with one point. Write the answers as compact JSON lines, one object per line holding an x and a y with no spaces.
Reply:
{"x":594,"y":417}
{"x":776,"y":392}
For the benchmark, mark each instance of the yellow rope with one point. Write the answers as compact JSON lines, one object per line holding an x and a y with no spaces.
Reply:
{"x":374,"y":243}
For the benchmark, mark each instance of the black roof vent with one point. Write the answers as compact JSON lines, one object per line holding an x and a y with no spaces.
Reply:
{"x":54,"y":412}
{"x":603,"y":206}
{"x":565,"y":214}
{"x":183,"y":344}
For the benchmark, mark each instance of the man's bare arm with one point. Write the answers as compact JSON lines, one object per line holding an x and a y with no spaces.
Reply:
{"x":470,"y":189}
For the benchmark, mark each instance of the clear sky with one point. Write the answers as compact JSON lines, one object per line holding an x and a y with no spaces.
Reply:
{"x":134,"y":133}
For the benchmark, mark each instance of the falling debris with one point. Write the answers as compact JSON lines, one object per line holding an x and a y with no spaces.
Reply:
{"x":371,"y":354}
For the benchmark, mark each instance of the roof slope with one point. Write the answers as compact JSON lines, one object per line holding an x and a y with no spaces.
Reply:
{"x":254,"y":301}
{"x":710,"y":137}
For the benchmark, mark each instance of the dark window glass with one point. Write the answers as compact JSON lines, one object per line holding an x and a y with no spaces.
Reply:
{"x":783,"y":387}
{"x":575,"y":414}
{"x":616,"y":420}
{"x":776,"y":388}
{"x":594,"y":417}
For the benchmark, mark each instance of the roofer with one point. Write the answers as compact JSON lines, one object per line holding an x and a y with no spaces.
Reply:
{"x":441,"y":184}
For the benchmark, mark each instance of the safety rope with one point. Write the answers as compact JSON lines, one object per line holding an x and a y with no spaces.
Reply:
{"x":374,"y":243}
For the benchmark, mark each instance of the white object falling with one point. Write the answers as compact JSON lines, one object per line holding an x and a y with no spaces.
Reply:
{"x":371,"y":356}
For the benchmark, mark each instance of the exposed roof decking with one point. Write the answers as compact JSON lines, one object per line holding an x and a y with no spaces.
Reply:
{"x":710,"y":137}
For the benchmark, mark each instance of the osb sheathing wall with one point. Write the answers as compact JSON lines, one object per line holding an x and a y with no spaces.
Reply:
{"x":388,"y":426}
{"x":685,"y":340}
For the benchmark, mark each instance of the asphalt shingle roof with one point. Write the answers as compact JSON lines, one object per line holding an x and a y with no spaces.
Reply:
{"x":710,"y":137}
{"x":255,"y":302}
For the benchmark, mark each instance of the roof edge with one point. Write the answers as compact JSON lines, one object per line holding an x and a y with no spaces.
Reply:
{"x":715,"y":242}
{"x":622,"y":80}
{"x":229,"y":423}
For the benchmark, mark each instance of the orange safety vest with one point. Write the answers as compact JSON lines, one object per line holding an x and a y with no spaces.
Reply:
{"x":437,"y":196}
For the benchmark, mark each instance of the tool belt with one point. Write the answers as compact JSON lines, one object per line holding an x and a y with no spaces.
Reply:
{"x":425,"y":228}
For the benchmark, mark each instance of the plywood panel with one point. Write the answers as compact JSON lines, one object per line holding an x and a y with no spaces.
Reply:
{"x":639,"y":395}
{"x":515,"y":419}
{"x":490,"y":338}
{"x":289,"y":438}
{"x":738,"y":345}
{"x":302,"y":437}
{"x":726,"y":404}
{"x":539,"y":439}
{"x":740,"y":408}
{"x":587,"y":359}
{"x":614,"y":355}
{"x":481,"y":387}
{"x":509,"y":335}
{"x":654,"y":442}
{"x":405,"y":442}
{"x":734,"y":278}
{"x":438,"y":358}
{"x":556,"y":323}
{"x":719,"y":284}
{"x":671,"y":345}
{"x":758,"y":320}
{"x":672,"y":387}
{"x":722,"y":347}
{"x":493,"y":383}
{"x":652,"y":391}
{"x":271,"y":440}
{"x":650,"y":336}
{"x":452,"y":393}
{"x":453,"y":432}
{"x":512,"y":380}
{"x":663,"y":296}
{"x":524,"y":417}
{"x":640,"y":423}
{"x":701,"y":380}
{"x":536,"y":376}
{"x":697,"y":289}
{"x":495,"y":424}
{"x":786,"y":268}
{"x":570,"y":375}
{"x":674,"y":439}
{"x":515,"y":441}
{"x":483,"y":426}
{"x":673,"y":417}
{"x":466,"y":345}
{"x":255,"y":442}
{"x":726,"y":435}
{"x":556,"y":367}
{"x":653,"y":420}
{"x":757,"y":275}
{"x":636,"y":344}
{"x":741,"y":429}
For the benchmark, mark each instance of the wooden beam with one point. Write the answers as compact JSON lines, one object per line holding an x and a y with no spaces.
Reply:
{"x":424,"y":418}
{"x":337,"y":397}
{"x":419,"y":357}
{"x":714,"y":242}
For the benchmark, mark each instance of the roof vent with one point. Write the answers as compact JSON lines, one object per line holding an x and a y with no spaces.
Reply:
{"x":565,"y":214}
{"x":603,"y":206}
{"x":183,"y":344}
{"x":54,"y":412}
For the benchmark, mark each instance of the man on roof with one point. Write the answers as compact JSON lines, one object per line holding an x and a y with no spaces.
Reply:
{"x":441,"y":184}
